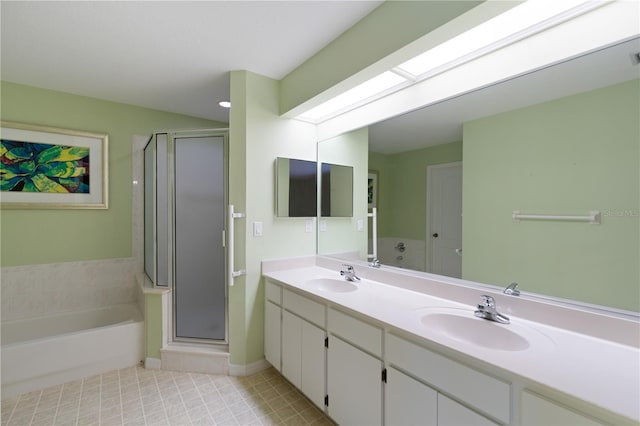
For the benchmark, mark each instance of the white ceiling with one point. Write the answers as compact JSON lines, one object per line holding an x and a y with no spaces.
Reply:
{"x":175,"y":56}
{"x":167,"y":55}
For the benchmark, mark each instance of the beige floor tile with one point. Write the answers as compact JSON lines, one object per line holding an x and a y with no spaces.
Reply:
{"x":214,"y":405}
{"x":286,"y":413}
{"x":138,"y":397}
{"x":134,"y":422}
{"x":203,"y":421}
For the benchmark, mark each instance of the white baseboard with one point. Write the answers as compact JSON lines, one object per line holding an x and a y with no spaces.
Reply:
{"x":152,"y":363}
{"x":247,"y":370}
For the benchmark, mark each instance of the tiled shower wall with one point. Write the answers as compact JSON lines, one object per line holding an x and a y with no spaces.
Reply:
{"x":42,"y":290}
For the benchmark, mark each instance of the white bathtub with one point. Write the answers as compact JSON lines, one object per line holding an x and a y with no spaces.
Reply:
{"x":41,"y":352}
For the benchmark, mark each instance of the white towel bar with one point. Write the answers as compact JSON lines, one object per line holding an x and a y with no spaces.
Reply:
{"x":593,"y":217}
{"x":231,"y":274}
{"x":374,"y":227}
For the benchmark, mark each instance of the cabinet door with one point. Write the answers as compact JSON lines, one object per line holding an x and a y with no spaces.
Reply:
{"x":313,"y":363}
{"x":477,"y":389}
{"x":451,"y":413}
{"x":408,"y":402}
{"x":291,"y":347}
{"x":540,"y":411}
{"x":354,"y":385}
{"x":272,"y":336}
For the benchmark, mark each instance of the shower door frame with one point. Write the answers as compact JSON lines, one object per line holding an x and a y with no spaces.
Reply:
{"x":171,"y":167}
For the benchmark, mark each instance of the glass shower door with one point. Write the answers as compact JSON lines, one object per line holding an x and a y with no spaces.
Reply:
{"x":199,"y":257}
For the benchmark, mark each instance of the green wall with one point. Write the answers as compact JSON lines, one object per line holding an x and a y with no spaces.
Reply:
{"x":257,"y":137}
{"x":402,"y":188}
{"x":48,"y":236}
{"x":153,"y":325}
{"x":566,"y":157}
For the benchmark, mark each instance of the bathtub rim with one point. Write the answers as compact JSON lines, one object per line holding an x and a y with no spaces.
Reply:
{"x":133,"y":307}
{"x":29,"y":369}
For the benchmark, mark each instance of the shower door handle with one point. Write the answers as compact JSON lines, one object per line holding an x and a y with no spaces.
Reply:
{"x":230,"y":246}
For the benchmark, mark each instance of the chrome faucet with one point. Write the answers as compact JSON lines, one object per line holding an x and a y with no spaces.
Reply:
{"x":349,"y":273}
{"x":487,"y":310}
{"x":511,"y":290}
{"x":375,"y":263}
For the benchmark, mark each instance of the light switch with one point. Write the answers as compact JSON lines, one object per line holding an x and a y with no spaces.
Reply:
{"x":323,"y":226}
{"x":257,"y":229}
{"x":360,"y":225}
{"x":308,"y":225}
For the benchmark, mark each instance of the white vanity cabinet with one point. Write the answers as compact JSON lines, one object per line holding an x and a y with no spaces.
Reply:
{"x":354,"y":370}
{"x":410,"y":402}
{"x":273,"y":324}
{"x":479,"y":397}
{"x":303,"y":345}
{"x":364,"y":357}
{"x":295,"y":340}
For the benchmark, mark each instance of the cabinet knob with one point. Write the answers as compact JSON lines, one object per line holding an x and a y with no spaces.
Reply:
{"x":435,"y":235}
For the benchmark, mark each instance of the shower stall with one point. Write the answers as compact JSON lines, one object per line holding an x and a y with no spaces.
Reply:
{"x":185,"y":198}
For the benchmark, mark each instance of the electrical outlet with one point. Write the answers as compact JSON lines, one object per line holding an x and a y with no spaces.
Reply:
{"x":360,"y":225}
{"x":308,"y":225}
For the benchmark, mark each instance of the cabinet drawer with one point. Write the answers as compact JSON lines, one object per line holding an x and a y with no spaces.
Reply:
{"x":452,"y":413}
{"x":541,"y":411}
{"x":273,"y":292}
{"x":304,"y":308}
{"x":476,"y":389}
{"x":359,"y":333}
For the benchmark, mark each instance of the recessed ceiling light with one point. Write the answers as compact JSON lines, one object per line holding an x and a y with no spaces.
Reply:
{"x":225,"y":104}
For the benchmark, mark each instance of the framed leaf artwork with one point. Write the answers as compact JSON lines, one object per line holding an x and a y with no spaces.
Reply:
{"x":52,"y":168}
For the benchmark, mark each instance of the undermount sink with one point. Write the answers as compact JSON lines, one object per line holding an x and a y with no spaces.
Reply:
{"x":461,"y":325}
{"x":331,"y":285}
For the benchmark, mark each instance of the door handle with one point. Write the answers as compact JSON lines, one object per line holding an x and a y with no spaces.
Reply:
{"x":435,"y":235}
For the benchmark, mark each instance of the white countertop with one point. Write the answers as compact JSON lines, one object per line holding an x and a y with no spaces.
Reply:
{"x":598,"y":371}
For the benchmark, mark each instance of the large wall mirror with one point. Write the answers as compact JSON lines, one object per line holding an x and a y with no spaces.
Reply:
{"x":563,"y":140}
{"x":344,"y":231}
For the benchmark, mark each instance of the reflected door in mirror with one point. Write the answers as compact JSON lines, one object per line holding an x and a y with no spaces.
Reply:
{"x":444,"y":198}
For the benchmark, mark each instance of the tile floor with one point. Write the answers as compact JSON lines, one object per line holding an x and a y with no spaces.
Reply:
{"x":135,"y":396}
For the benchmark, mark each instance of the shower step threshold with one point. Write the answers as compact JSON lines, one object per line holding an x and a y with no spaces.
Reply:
{"x":195,"y":358}
{"x":196,"y":348}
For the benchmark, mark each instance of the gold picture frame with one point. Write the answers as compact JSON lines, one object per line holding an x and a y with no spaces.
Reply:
{"x":52,"y":168}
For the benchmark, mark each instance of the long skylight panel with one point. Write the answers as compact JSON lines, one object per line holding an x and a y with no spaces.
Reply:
{"x":355,"y":96}
{"x":517,"y":23}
